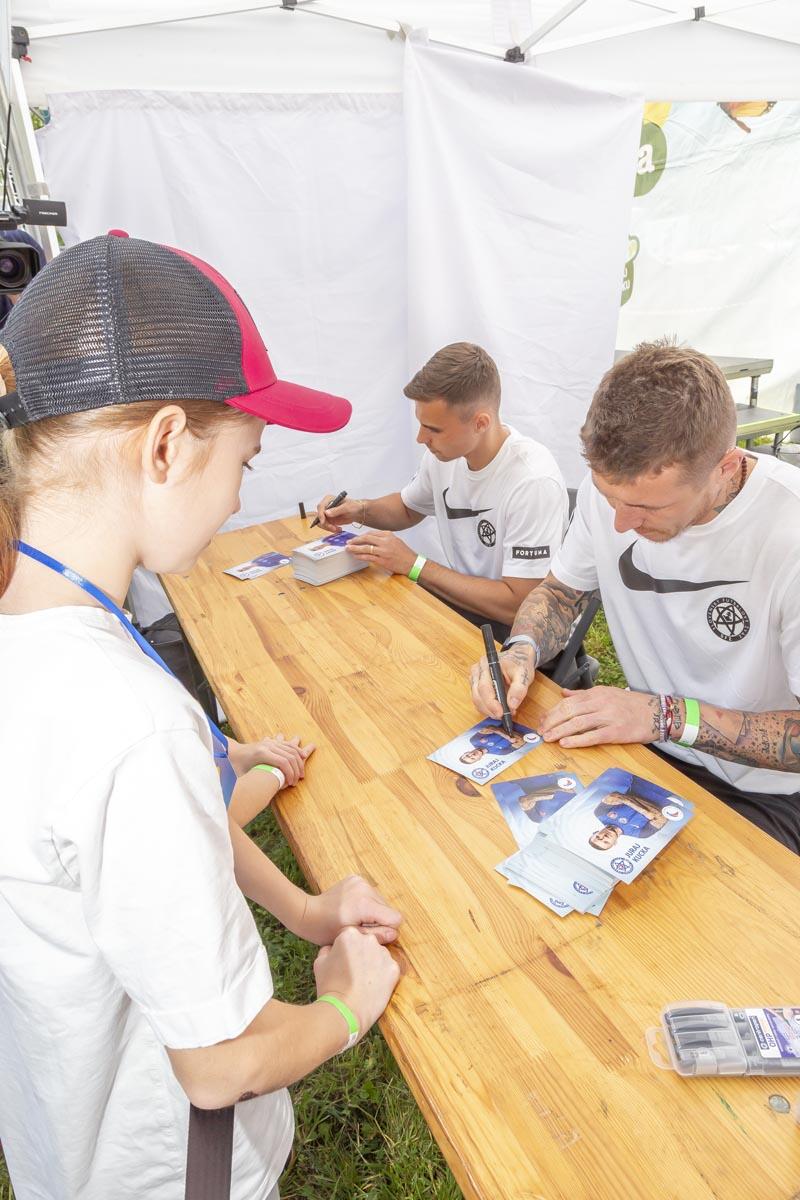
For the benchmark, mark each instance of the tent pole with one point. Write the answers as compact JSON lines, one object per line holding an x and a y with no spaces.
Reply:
{"x":553,"y":22}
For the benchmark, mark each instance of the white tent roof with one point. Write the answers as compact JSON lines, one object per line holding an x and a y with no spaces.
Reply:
{"x":726,"y":49}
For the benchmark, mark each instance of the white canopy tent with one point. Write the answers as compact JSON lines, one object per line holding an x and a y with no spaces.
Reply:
{"x":105,"y":60}
{"x":662,"y":48}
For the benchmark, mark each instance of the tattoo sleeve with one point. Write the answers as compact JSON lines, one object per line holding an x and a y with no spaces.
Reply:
{"x":758,"y":739}
{"x":548,"y":613}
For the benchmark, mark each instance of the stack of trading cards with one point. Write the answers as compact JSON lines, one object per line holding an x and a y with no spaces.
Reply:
{"x":486,"y":749}
{"x":575,"y":846}
{"x":255,"y":567}
{"x":325,"y":559}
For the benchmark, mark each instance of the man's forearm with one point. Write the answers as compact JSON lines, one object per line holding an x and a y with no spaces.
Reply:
{"x":757,"y":739}
{"x":388,"y":512}
{"x":492,"y":598}
{"x":547,"y":615}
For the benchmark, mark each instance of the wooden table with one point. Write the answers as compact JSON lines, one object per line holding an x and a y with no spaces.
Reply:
{"x":520,"y":1034}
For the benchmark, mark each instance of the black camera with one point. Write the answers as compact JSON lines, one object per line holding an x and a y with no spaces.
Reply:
{"x":19,"y":262}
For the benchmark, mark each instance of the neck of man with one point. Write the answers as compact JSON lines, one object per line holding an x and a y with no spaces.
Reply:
{"x":728,"y":491}
{"x":95,"y":547}
{"x":488,"y":447}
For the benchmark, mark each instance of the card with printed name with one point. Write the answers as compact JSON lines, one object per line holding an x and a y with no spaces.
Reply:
{"x":485,"y":750}
{"x":619,"y":823}
{"x":255,"y":567}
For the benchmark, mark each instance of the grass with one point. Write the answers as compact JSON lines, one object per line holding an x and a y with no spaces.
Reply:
{"x":360,"y":1135}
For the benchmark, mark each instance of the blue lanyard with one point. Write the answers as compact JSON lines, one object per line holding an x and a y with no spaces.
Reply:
{"x":226,"y":771}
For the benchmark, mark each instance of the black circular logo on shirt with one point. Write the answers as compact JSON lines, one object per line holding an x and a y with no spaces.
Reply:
{"x":487,"y":533}
{"x":727,"y":619}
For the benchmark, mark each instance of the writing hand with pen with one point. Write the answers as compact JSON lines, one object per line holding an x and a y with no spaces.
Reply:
{"x":378,"y":547}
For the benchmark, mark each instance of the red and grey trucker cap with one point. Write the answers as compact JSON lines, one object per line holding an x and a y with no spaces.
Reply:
{"x":116,"y":320}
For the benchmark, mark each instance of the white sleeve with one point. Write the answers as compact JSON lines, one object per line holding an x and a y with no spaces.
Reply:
{"x":418,"y":492}
{"x":154,"y":858}
{"x":575,"y":563}
{"x":536,"y":513}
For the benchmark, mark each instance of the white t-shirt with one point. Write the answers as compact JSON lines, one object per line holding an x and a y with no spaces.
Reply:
{"x":122,"y":930}
{"x":713,"y":614}
{"x":506,"y":519}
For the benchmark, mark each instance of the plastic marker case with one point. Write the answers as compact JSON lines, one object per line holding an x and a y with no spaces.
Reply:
{"x":707,"y":1038}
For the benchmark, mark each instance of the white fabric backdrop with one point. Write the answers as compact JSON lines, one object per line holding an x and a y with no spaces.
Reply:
{"x":300,"y":201}
{"x":717,"y":240}
{"x":519,"y":203}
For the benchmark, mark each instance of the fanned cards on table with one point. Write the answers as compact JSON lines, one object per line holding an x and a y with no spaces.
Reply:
{"x":578,"y":844}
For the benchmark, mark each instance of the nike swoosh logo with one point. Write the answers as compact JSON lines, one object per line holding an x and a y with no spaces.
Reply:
{"x":457,"y":514}
{"x":639,"y":581}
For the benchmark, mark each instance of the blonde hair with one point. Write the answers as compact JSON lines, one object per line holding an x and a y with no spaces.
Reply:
{"x":32,"y":456}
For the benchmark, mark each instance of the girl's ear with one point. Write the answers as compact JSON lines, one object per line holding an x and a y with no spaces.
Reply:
{"x":163,"y":443}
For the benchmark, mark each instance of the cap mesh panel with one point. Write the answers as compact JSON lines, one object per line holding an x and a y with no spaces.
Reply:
{"x":116,"y":320}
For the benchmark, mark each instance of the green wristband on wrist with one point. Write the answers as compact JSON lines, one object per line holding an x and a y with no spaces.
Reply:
{"x":349,"y":1016}
{"x":691,"y":724}
{"x":419,"y":563}
{"x":275,"y":771}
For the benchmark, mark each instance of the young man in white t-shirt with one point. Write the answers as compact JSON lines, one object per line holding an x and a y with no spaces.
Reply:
{"x":499,"y":499}
{"x":694,"y":546}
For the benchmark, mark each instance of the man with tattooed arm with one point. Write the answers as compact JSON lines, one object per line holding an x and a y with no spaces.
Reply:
{"x":694,"y":548}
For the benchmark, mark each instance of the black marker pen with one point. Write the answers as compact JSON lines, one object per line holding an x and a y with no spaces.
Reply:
{"x":497,"y":677}
{"x":335,"y":502}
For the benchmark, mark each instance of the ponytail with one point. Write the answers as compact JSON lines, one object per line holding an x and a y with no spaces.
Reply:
{"x":9,"y":505}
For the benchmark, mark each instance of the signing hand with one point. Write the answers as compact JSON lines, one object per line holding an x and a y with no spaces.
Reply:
{"x":285,"y":753}
{"x":351,"y":902}
{"x":602,"y":714}
{"x":383,"y":549}
{"x":343,"y":514}
{"x":518,"y":666}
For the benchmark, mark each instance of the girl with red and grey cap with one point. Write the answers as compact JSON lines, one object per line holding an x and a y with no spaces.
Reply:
{"x":132,"y":977}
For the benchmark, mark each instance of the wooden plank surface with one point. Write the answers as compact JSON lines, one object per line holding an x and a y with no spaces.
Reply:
{"x":520,"y":1033}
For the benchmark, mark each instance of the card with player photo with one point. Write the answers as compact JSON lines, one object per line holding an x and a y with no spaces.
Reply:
{"x":619,"y":823}
{"x":254,"y":568}
{"x":485,"y":750}
{"x":525,"y":803}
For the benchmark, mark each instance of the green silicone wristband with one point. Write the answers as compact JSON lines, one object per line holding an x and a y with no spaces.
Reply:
{"x":265,"y":767}
{"x":419,"y":563}
{"x":347,"y":1013}
{"x":691,"y":725}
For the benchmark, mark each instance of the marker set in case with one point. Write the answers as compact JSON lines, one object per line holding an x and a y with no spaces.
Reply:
{"x":707,"y":1038}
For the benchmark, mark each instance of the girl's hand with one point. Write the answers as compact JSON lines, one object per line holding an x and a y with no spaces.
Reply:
{"x":352,"y":902}
{"x":360,"y":972}
{"x":285,"y":753}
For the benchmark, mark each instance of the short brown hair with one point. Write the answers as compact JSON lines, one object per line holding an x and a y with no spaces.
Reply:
{"x":659,"y":406}
{"x":460,"y":374}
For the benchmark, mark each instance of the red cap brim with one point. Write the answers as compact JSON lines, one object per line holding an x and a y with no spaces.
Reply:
{"x":296,"y":407}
